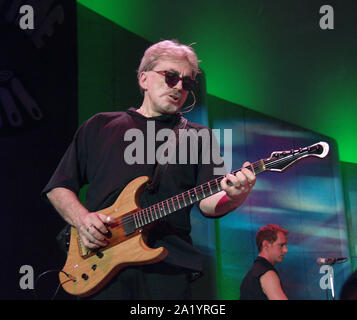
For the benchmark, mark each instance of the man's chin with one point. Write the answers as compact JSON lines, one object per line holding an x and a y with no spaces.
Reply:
{"x":172,"y":109}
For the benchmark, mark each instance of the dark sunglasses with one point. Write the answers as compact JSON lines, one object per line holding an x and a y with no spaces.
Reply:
{"x":172,"y":78}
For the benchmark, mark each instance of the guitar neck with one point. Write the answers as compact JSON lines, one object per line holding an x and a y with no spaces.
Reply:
{"x":185,"y":199}
{"x":278,"y":161}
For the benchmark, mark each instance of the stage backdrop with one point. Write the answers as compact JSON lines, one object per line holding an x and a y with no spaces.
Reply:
{"x":306,"y":200}
{"x":349,"y":178}
{"x":39,"y":113}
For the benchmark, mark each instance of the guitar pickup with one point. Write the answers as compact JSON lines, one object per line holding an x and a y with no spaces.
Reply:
{"x":128,"y":225}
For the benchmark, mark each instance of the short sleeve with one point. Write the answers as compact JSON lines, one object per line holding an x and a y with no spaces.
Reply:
{"x":261,"y":269}
{"x":71,"y":171}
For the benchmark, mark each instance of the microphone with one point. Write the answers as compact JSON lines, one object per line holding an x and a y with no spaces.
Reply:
{"x":331,"y":261}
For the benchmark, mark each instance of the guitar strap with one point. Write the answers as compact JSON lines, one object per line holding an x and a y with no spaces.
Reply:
{"x":161,"y":165}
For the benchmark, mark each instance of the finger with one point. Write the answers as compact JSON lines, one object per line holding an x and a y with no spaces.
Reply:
{"x":232,"y":180}
{"x":230,"y":190}
{"x":249,"y":175}
{"x":224,"y":184}
{"x":95,"y":242}
{"x":246,"y":164}
{"x":108,"y":221}
{"x":242,"y":180}
{"x":99,"y":226}
{"x":87,"y":239}
{"x":94,"y":236}
{"x":89,"y":244}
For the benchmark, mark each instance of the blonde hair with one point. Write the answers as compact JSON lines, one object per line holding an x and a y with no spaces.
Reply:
{"x":168,"y":49}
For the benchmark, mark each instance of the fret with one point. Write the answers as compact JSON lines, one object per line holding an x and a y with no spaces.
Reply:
{"x":152,"y":217}
{"x":209,"y":185}
{"x":166,"y":212}
{"x":157,"y":209}
{"x":189,"y":195}
{"x":148,"y":215}
{"x":218,"y":185}
{"x":138,"y":218}
{"x":134,"y":217}
{"x":141,"y":219}
{"x":195,"y":189}
{"x":192,"y":196}
{"x":173,"y":204}
{"x":171,"y":207}
{"x":167,"y":205}
{"x":183,"y":197}
{"x":178,"y":201}
{"x":156,"y":213}
{"x":144,"y":217}
{"x":203,"y":192}
{"x":161,"y":210}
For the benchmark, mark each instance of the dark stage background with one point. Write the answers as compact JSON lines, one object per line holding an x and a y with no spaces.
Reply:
{"x":81,"y":59}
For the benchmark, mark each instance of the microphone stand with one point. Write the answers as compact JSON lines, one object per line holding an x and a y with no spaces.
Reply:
{"x":330,"y":271}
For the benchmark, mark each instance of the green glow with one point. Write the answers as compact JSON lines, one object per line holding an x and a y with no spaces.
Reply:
{"x":259,"y":56}
{"x":265,"y":56}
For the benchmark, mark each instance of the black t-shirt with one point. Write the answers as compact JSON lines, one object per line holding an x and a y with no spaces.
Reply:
{"x":251,"y":288}
{"x":98,"y":156}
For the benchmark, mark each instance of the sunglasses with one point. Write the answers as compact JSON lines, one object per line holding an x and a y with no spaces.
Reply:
{"x":172,"y":78}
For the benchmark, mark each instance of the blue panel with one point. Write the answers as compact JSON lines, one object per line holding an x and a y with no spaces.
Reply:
{"x":306,"y":199}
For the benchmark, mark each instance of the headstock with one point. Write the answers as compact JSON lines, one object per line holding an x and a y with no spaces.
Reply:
{"x":280,"y":160}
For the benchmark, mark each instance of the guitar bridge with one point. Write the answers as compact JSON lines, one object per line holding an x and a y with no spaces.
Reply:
{"x":83,"y":250}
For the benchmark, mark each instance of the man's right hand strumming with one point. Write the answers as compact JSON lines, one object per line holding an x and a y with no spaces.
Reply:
{"x":91,"y":226}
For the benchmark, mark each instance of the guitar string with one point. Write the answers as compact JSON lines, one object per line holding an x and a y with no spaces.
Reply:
{"x":141,"y":215}
{"x":145,"y":216}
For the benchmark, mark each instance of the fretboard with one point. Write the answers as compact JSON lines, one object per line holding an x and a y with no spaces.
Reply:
{"x":277,"y":162}
{"x":162,"y":209}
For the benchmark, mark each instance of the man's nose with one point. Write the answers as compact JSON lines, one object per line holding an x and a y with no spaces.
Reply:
{"x":178,"y":85}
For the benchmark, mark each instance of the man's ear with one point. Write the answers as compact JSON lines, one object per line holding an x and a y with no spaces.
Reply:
{"x":265,"y":244}
{"x":143,"y":80}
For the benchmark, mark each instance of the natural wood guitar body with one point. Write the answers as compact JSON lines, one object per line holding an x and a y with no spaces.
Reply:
{"x":88,"y":271}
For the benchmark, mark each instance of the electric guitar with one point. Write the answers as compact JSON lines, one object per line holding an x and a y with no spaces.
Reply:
{"x":87,"y":271}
